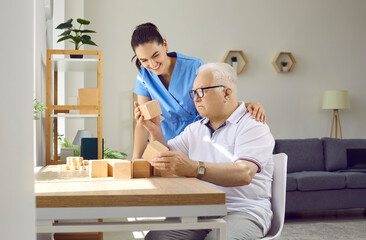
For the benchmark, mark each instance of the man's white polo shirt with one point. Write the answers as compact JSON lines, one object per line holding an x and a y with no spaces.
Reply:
{"x":240,"y":138}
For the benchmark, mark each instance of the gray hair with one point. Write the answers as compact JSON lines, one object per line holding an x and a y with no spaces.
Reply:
{"x":223,"y":74}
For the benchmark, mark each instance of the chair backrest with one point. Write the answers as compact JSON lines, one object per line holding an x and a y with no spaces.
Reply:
{"x":278,"y":195}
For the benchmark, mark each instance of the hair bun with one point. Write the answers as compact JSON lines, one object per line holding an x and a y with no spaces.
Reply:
{"x":147,"y":25}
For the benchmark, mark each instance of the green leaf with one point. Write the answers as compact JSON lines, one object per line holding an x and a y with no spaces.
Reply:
{"x":87,"y":31}
{"x":85,"y":38}
{"x":76,"y":30}
{"x":67,"y":32}
{"x":83,"y":21}
{"x":66,"y":143}
{"x":64,"y":38}
{"x":37,"y":107}
{"x":89,"y":42}
{"x":114,"y":154}
{"x":67,"y":24}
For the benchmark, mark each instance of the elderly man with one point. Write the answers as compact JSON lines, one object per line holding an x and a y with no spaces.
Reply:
{"x":228,"y":149}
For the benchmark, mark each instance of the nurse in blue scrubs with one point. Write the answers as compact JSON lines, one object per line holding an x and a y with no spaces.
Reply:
{"x":166,"y":77}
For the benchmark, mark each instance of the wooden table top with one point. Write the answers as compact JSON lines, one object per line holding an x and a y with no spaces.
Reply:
{"x":54,"y":189}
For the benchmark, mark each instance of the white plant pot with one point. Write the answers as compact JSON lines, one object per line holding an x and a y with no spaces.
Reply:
{"x":66,"y":152}
{"x":285,"y":69}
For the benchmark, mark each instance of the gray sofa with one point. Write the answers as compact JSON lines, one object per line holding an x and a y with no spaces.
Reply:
{"x":315,"y":180}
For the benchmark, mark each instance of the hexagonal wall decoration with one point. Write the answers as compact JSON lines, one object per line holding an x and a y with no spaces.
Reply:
{"x":242,"y":60}
{"x":284,"y":62}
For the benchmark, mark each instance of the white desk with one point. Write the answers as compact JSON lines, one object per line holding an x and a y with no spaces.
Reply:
{"x":69,"y":195}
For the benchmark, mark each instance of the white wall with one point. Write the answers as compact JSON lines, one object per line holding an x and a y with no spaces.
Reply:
{"x":327,"y":38}
{"x":17,"y":204}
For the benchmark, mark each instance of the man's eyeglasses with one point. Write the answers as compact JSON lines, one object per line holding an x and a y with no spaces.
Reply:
{"x":200,"y":93}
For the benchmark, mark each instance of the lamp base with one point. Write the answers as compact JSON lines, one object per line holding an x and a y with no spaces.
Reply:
{"x":336,"y":124}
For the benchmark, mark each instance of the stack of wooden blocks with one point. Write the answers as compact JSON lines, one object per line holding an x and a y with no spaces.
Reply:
{"x":74,"y":163}
{"x":138,"y":168}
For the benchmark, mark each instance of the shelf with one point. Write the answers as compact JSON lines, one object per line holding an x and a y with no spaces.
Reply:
{"x":284,"y":57}
{"x":74,"y":65}
{"x":63,"y":115}
{"x":58,"y":61}
{"x":241,"y":58}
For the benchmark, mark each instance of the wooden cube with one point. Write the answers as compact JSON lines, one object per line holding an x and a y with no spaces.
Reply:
{"x":122,"y":169}
{"x":63,"y":167}
{"x":98,"y":168}
{"x":69,"y":161}
{"x":74,"y":161}
{"x":150,"y":109}
{"x":88,"y":96}
{"x":152,"y":149}
{"x":141,"y":168}
{"x":119,"y":169}
{"x":74,"y":167}
{"x":85,"y":162}
{"x":79,"y":161}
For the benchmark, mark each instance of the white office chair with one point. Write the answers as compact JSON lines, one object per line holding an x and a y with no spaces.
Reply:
{"x":278,"y":196}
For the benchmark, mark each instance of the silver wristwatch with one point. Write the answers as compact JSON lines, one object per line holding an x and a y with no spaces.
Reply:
{"x":201,"y":170}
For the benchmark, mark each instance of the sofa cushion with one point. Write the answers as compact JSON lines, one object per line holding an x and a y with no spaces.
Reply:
{"x":319,"y":180}
{"x":355,"y":179}
{"x":291,"y":184}
{"x":303,"y":154}
{"x":335,"y":152}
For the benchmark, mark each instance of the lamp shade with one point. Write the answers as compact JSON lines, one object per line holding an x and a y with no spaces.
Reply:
{"x":79,"y":135}
{"x":336,"y":99}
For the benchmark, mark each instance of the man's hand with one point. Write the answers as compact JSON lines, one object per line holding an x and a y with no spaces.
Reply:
{"x":175,"y":163}
{"x":257,"y":111}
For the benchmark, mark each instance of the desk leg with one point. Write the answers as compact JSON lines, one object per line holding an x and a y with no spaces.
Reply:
{"x":47,"y":224}
{"x":221,"y":232}
{"x":100,"y":234}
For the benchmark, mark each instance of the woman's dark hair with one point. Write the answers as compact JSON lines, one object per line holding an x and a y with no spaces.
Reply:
{"x":144,"y":33}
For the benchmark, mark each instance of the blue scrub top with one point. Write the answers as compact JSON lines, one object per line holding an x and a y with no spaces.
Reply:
{"x":176,"y":104}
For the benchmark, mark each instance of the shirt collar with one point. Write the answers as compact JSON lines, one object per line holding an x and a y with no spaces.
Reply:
{"x":235,"y":117}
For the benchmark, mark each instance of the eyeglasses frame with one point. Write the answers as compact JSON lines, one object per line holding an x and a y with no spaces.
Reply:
{"x":193,"y":93}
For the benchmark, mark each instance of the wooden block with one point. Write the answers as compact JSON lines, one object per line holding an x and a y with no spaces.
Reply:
{"x":152,"y":149}
{"x":63,"y":167}
{"x":122,"y":169}
{"x":83,"y":168}
{"x":141,"y":168}
{"x":79,"y":161}
{"x":119,"y":169}
{"x":150,"y":109}
{"x":85,"y":162}
{"x":74,"y":167}
{"x":69,"y":161}
{"x":98,"y":168}
{"x":88,"y":96}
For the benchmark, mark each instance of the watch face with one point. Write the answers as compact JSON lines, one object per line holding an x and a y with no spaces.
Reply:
{"x":201,"y":170}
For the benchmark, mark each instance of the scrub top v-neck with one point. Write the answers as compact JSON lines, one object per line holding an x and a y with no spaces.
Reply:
{"x":177,"y":106}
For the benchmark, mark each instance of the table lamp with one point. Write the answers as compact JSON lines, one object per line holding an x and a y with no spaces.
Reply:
{"x":335,"y":100}
{"x":79,"y":135}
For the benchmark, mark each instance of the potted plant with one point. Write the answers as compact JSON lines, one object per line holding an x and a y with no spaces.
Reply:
{"x":37,"y":107}
{"x":77,"y":36}
{"x":284,"y":66}
{"x":67,"y":148}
